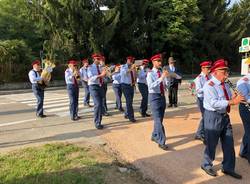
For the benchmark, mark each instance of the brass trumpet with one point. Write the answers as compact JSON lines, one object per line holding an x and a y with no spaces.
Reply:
{"x":76,"y":74}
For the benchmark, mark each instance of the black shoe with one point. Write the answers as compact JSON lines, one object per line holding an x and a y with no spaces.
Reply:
{"x":175,"y":105}
{"x":145,"y":115}
{"x":42,"y":116}
{"x":74,"y":119}
{"x":132,"y":120}
{"x":200,"y":138}
{"x":105,"y":114}
{"x":121,"y":110}
{"x":243,"y":156}
{"x":170,"y":105}
{"x":209,"y":171}
{"x":152,"y":139}
{"x":164,"y":146}
{"x":99,"y":127}
{"x":126,"y":117}
{"x":232,"y":173}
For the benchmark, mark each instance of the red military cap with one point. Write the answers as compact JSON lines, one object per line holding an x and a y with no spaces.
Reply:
{"x":219,"y":64}
{"x":96,"y":55}
{"x":130,"y":58}
{"x":85,"y":60}
{"x":156,"y":57}
{"x":206,"y":64}
{"x":35,"y":62}
{"x":145,"y":61}
{"x":73,"y":62}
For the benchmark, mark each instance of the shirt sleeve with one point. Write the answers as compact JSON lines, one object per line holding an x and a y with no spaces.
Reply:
{"x":244,"y":90}
{"x":151,"y":83}
{"x":33,"y":78}
{"x":198,"y":86}
{"x":91,"y":76}
{"x":116,"y":76}
{"x":68,"y":76}
{"x":213,"y":99}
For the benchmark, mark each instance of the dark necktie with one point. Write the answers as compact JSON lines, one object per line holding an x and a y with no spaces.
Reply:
{"x":161,"y":84}
{"x":226,"y":95}
{"x":207,"y":77}
{"x":75,"y":82}
{"x":101,"y":79}
{"x":132,"y":78}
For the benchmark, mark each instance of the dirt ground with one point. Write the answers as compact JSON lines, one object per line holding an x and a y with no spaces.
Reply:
{"x":181,"y":164}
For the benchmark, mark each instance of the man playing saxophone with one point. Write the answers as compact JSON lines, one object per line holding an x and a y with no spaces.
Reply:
{"x":34,"y":77}
{"x":72,"y":76}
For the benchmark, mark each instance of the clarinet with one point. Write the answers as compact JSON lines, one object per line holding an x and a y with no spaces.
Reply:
{"x":233,"y":87}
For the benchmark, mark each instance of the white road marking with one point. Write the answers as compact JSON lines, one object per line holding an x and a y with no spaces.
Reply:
{"x":17,"y":122}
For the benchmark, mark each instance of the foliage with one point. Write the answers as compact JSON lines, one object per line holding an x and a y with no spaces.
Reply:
{"x":189,"y":30}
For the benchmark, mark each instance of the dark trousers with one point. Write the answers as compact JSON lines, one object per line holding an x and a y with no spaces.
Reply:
{"x":218,"y":126}
{"x":73,"y":92}
{"x":158,"y":106}
{"x":104,"y":102}
{"x":172,"y":94}
{"x":97,"y":94}
{"x":143,"y":88}
{"x":245,"y":145}
{"x":86,"y":93}
{"x":39,"y":94}
{"x":200,"y":130}
{"x":128,"y":92}
{"x":118,"y":95}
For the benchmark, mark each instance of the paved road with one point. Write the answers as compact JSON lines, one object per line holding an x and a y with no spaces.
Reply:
{"x":20,"y":128}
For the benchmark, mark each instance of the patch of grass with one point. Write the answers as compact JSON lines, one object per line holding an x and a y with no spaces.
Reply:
{"x":62,"y":164}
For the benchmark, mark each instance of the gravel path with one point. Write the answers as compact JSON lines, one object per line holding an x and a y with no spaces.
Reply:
{"x":181,"y":164}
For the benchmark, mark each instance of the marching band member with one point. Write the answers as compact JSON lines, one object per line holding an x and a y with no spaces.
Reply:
{"x":128,"y":78}
{"x":143,"y":88}
{"x":34,"y":77}
{"x":157,"y":83}
{"x":243,"y":86}
{"x":200,"y":80}
{"x":84,"y":79}
{"x":95,"y":75}
{"x":105,"y":88}
{"x":72,"y":76}
{"x":116,"y":76}
{"x":217,"y":102}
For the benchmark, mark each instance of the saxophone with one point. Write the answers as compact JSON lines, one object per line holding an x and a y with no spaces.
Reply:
{"x":233,"y":87}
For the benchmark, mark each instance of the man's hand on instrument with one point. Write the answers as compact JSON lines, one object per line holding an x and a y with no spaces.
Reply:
{"x":164,"y":74}
{"x":236,"y":100}
{"x":103,"y":74}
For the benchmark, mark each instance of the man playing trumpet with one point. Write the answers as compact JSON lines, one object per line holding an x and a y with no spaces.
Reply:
{"x":143,"y":88}
{"x":128,"y":78}
{"x":72,"y":76}
{"x":84,"y":78}
{"x":96,"y":75}
{"x":116,"y":76}
{"x":34,"y":77}
{"x":157,"y":84}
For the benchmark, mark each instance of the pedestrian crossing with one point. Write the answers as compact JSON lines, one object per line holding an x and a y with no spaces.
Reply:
{"x":55,"y":103}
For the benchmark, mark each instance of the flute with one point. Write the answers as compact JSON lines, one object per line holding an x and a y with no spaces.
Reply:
{"x":237,"y":92}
